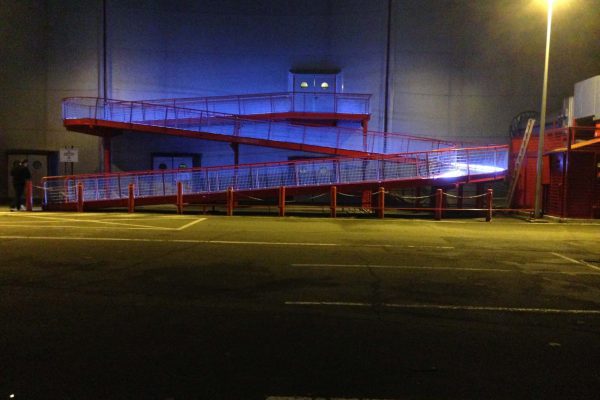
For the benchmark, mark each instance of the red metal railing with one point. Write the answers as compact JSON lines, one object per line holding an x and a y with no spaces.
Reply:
{"x":439,"y":164}
{"x":132,"y":114}
{"x":272,"y":103}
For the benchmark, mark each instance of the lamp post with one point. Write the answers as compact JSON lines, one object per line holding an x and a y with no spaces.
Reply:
{"x":538,"y":179}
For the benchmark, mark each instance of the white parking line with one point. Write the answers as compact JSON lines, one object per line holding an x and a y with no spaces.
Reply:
{"x":572,"y":260}
{"x":36,"y":226}
{"x":190,"y":224}
{"x":404,"y":267}
{"x":451,"y":307}
{"x":426,"y":268}
{"x":317,"y":398}
{"x":199,"y":241}
{"x":95,"y":221}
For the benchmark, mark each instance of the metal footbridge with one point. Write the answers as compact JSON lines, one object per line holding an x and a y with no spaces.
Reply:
{"x":359,"y":159}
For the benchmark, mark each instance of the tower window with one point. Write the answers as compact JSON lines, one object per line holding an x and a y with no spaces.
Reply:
{"x":304,"y":84}
{"x":324,"y":85}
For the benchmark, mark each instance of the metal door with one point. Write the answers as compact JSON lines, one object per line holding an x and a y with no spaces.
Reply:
{"x":38,"y":165}
{"x":172,"y":162}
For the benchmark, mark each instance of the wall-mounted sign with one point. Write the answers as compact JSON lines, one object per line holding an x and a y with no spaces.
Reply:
{"x":69,"y":155}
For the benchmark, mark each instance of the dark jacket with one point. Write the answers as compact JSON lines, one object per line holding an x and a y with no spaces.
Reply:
{"x":20,"y":174}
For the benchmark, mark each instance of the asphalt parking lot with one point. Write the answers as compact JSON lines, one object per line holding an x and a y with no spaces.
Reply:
{"x":162,"y":306}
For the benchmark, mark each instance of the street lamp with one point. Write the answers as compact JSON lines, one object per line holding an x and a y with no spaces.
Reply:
{"x":538,"y":179}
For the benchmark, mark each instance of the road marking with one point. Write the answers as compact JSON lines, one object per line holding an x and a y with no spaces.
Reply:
{"x":405,"y":267}
{"x":590,"y":265}
{"x":97,"y":221}
{"x":84,"y":227}
{"x":317,"y":398}
{"x":566,"y":258}
{"x":572,"y":260}
{"x":446,"y":307}
{"x":424,"y":268}
{"x":190,"y":224}
{"x":226,"y":242}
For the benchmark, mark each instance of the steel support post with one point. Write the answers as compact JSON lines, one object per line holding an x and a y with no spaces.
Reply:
{"x":439,"y":194}
{"x":80,"y":197}
{"x":229,"y":201}
{"x":490,"y":202}
{"x":179,"y":198}
{"x":333,"y":200}
{"x":282,"y":201}
{"x":29,"y":195}
{"x":106,"y":151}
{"x":131,"y":199}
{"x":381,"y":202}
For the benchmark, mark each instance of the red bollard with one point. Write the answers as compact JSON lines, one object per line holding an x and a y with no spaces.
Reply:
{"x":80,"y":197}
{"x":29,"y":196}
{"x":438,"y":204}
{"x":333,"y":199}
{"x":282,"y":201}
{"x":131,"y":199}
{"x":381,"y":203}
{"x":229,"y":201}
{"x":490,"y":200}
{"x":367,"y":200}
{"x":179,"y":198}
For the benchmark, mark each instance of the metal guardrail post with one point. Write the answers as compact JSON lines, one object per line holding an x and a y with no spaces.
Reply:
{"x":131,"y":199}
{"x":381,"y":203}
{"x":438,"y":204}
{"x":490,"y":200}
{"x":229,"y":201}
{"x":29,"y":195}
{"x":80,"y":197}
{"x":333,"y":199}
{"x":179,"y":197}
{"x":282,"y":201}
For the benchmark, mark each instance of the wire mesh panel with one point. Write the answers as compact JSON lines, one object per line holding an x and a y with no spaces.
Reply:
{"x":438,"y":164}
{"x":169,"y":116}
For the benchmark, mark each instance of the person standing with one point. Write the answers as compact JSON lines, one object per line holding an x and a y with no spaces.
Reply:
{"x":20,"y":175}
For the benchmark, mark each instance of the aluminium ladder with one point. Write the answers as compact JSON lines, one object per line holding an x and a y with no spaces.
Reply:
{"x":519,"y":162}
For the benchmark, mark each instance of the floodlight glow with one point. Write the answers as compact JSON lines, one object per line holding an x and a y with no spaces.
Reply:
{"x":455,"y":173}
{"x":478,"y":167}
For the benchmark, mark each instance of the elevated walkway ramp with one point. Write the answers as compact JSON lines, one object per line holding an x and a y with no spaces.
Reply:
{"x":262,"y":120}
{"x":437,"y":167}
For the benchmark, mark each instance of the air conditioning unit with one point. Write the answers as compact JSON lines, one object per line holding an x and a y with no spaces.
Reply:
{"x":567,"y":112}
{"x":587,"y":99}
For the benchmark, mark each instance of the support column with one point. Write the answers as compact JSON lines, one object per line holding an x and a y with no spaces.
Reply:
{"x":106,"y":151}
{"x":236,"y":153}
{"x":365,"y":127}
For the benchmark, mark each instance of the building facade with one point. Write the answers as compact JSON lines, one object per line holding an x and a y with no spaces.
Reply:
{"x":451,"y":69}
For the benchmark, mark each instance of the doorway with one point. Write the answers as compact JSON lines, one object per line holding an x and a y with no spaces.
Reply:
{"x":40,"y":165}
{"x":314,"y":91}
{"x":165,"y":161}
